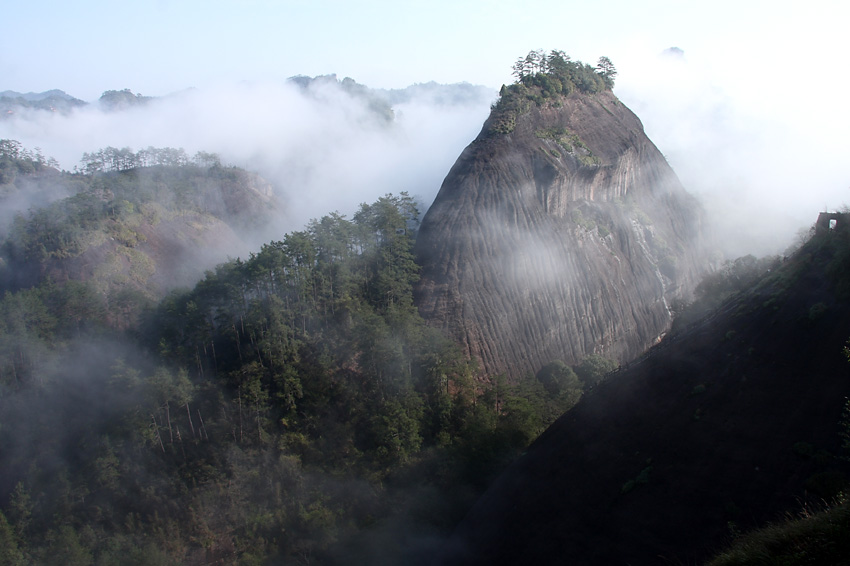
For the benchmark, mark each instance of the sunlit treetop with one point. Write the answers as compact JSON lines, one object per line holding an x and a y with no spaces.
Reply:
{"x":541,"y":76}
{"x":555,"y":72}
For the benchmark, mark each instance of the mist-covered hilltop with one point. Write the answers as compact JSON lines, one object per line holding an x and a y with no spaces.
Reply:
{"x":52,"y":100}
{"x":561,"y":231}
{"x":129,"y":228}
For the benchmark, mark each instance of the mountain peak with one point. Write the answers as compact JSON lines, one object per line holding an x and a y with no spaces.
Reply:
{"x":560,"y":232}
{"x":51,"y":100}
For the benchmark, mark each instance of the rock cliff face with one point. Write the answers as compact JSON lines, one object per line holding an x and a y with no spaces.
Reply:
{"x":564,"y":234}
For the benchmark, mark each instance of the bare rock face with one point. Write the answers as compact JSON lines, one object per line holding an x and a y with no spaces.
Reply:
{"x":568,"y":235}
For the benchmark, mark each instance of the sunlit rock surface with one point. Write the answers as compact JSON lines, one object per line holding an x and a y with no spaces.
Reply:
{"x":568,"y":236}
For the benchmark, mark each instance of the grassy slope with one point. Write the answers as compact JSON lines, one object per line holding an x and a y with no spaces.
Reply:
{"x":810,"y":538}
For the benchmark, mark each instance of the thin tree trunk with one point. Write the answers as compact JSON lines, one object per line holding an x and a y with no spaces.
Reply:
{"x":168,"y":420}
{"x":189,"y":414}
{"x":238,"y":346}
{"x":198,"y":360}
{"x":240,"y":414}
{"x":203,"y":426}
{"x":156,"y":432}
{"x":180,"y":439}
{"x":259,"y":429}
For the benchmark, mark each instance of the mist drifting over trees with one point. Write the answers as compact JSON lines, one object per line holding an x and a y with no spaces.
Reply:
{"x":211,"y":349}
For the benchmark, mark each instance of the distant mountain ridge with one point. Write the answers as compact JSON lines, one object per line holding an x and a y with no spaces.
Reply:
{"x":380,"y":100}
{"x":54,"y":100}
{"x":33,"y":96}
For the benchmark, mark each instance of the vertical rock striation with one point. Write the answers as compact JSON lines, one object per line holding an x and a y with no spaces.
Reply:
{"x":563,"y":235}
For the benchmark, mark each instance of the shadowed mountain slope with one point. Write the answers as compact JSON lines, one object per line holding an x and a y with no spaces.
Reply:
{"x":726,"y":425}
{"x":560,"y":231}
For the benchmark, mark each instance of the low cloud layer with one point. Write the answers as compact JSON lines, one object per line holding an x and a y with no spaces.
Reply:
{"x":762,"y":159}
{"x":322,"y":148}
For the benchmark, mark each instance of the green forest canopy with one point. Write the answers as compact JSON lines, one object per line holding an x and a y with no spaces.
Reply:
{"x":288,"y":405}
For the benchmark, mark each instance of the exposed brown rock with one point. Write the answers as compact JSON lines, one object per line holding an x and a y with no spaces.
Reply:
{"x":569,"y":235}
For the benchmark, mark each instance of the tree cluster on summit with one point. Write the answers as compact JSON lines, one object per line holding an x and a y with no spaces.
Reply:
{"x":555,"y":71}
{"x":541,"y":76}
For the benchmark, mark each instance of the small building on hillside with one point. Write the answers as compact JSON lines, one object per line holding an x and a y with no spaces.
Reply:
{"x":832,"y":221}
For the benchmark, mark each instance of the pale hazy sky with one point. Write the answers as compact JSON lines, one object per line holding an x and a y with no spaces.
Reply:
{"x":754,"y":114}
{"x":158,"y":46}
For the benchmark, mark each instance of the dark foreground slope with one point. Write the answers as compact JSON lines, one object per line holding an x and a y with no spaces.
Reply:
{"x":560,"y":231}
{"x":727,"y":425}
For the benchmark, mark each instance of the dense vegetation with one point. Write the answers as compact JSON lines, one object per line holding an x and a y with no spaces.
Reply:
{"x":292,"y":406}
{"x":16,"y":160}
{"x":544,"y":76}
{"x":95,"y":237}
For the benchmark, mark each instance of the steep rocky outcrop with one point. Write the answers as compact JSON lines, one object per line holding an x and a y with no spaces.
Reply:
{"x":560,"y":231}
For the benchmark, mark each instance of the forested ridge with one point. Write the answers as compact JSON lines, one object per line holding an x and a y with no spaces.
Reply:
{"x":292,"y":406}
